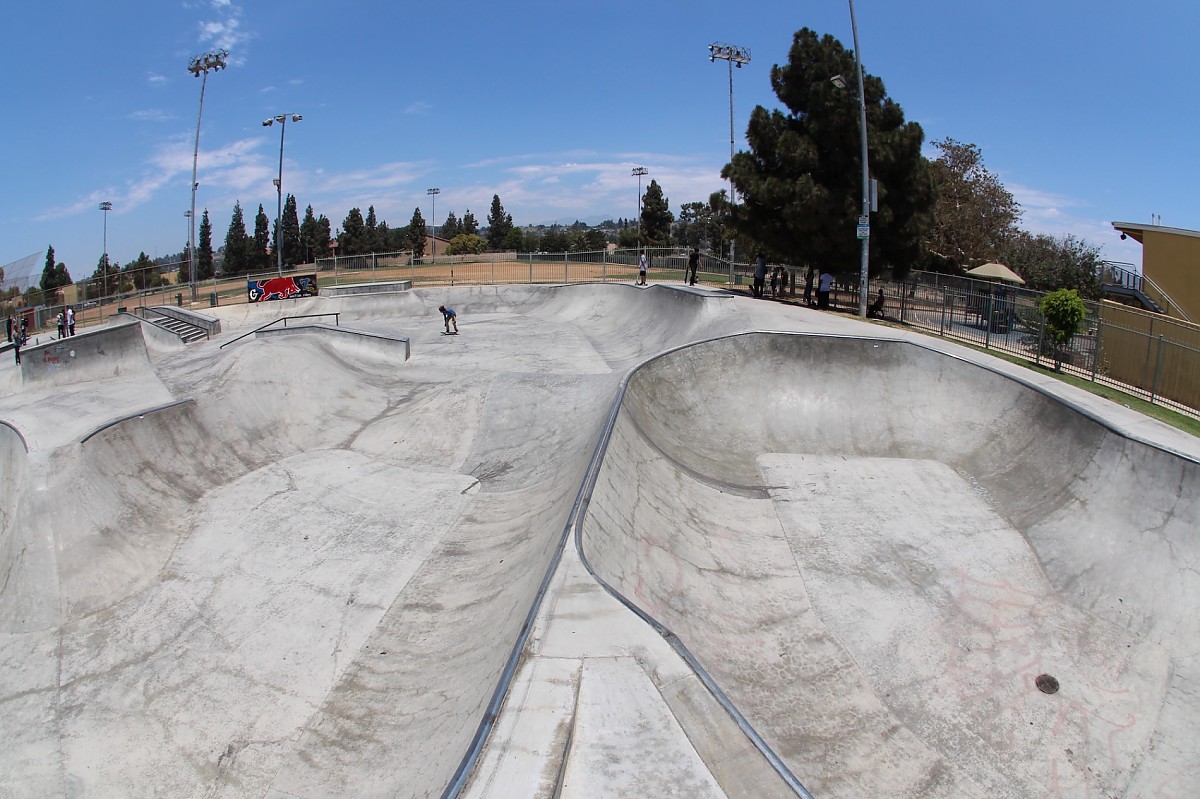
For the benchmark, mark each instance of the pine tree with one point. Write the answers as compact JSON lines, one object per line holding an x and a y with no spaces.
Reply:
{"x":656,"y":217}
{"x":258,"y":256}
{"x":293,"y":249}
{"x":499,"y":224}
{"x":416,"y":234}
{"x":236,"y":247}
{"x":801,"y":179}
{"x":371,"y":232}
{"x":469,"y":226}
{"x":205,"y":267}
{"x":354,"y":232}
{"x":451,"y":229}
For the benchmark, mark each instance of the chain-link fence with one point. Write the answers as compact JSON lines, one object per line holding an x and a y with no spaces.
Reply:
{"x":1145,"y":354}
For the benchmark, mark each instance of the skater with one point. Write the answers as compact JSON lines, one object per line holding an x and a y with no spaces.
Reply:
{"x":643,"y":267}
{"x":70,"y":321}
{"x":62,"y":325}
{"x":693,"y":265}
{"x":18,"y":340}
{"x":8,"y":326}
{"x":449,"y":317}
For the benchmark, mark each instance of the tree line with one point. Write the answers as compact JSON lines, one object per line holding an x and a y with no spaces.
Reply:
{"x":798,"y":200}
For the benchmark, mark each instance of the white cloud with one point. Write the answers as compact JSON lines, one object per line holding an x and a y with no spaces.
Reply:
{"x":156,"y":79}
{"x":152,"y":115}
{"x":420,"y":107}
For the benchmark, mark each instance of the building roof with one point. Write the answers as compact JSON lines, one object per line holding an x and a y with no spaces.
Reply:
{"x":1138,"y":231}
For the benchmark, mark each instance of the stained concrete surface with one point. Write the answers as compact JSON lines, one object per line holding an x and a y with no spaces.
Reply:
{"x":306,"y":581}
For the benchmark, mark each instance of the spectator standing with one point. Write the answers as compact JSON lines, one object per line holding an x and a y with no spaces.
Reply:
{"x":808,"y":284}
{"x":643,"y":267}
{"x":823,"y":288}
{"x":760,"y":275}
{"x":62,"y":325}
{"x":70,"y":320}
{"x":8,"y":327}
{"x":692,"y":267}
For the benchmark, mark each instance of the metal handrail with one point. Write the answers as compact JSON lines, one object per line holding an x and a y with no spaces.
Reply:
{"x":336,"y":320}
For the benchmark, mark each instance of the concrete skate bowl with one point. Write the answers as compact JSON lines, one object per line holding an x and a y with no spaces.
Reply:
{"x":876,"y":550}
{"x":308,"y":579}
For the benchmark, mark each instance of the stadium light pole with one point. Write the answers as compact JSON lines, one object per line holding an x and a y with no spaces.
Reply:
{"x":282,"y":119}
{"x":200,"y":66}
{"x":105,"y":206}
{"x":433,"y":193}
{"x":736,"y":56}
{"x":638,"y":171}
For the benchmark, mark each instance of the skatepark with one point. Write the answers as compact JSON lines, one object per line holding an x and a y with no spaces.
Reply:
{"x":609,"y":541}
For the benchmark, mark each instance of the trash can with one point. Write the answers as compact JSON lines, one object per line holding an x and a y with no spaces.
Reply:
{"x":179,"y":300}
{"x":212,"y":300}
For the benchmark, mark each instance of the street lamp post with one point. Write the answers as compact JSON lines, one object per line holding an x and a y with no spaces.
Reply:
{"x":433,"y":193}
{"x":105,"y":206}
{"x":282,"y":119}
{"x":736,"y":56}
{"x":199,"y":66}
{"x":864,"y":219}
{"x":638,"y":171}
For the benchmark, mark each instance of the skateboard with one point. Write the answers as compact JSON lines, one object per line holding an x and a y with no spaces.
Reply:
{"x":455,"y":333}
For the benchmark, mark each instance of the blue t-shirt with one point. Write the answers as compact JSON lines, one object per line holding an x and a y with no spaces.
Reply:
{"x":449,"y":312}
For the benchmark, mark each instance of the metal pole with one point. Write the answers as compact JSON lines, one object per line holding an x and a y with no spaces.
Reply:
{"x":1096,"y":347}
{"x":866,"y":180}
{"x":199,"y":67}
{"x":1157,"y":369}
{"x":279,"y":199}
{"x":105,"y":206}
{"x":433,"y":193}
{"x":638,"y":171}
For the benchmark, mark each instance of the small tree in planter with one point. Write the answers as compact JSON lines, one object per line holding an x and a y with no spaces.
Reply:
{"x":1064,"y":312}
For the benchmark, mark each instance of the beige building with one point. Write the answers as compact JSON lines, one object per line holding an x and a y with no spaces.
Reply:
{"x":1170,"y":267}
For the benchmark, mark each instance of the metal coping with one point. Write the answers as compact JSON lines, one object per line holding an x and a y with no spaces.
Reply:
{"x":138,"y":415}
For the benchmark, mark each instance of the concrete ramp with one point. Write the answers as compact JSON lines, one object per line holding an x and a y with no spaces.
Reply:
{"x":877,"y":550}
{"x":94,"y":354}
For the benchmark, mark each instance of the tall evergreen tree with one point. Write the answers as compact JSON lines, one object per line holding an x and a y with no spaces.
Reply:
{"x":237,"y":249}
{"x":656,"y":217}
{"x":371,"y":232}
{"x":323,"y":248}
{"x":205,"y":263}
{"x":470,"y":227}
{"x":801,"y":179}
{"x":258,"y":255}
{"x":416,"y":234}
{"x":54,"y":277}
{"x":314,"y":237}
{"x":353,"y":240}
{"x":499,"y":224}
{"x":451,"y":228}
{"x":293,"y":248}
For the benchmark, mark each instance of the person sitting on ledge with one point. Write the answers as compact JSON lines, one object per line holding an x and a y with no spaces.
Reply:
{"x":876,"y":309}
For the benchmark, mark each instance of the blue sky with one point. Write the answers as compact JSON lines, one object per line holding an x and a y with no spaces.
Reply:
{"x":1086,"y":110}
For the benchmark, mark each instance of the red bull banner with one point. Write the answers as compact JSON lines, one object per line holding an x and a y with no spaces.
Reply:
{"x":281,"y":288}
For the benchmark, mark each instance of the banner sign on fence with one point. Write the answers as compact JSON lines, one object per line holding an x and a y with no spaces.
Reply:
{"x":281,"y":288}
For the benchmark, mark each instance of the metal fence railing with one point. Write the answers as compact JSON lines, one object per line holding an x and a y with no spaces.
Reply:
{"x":1147,"y":355}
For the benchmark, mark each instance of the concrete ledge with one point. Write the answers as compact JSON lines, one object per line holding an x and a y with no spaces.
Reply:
{"x":210,"y":323}
{"x":373,"y":342}
{"x":351,"y":289}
